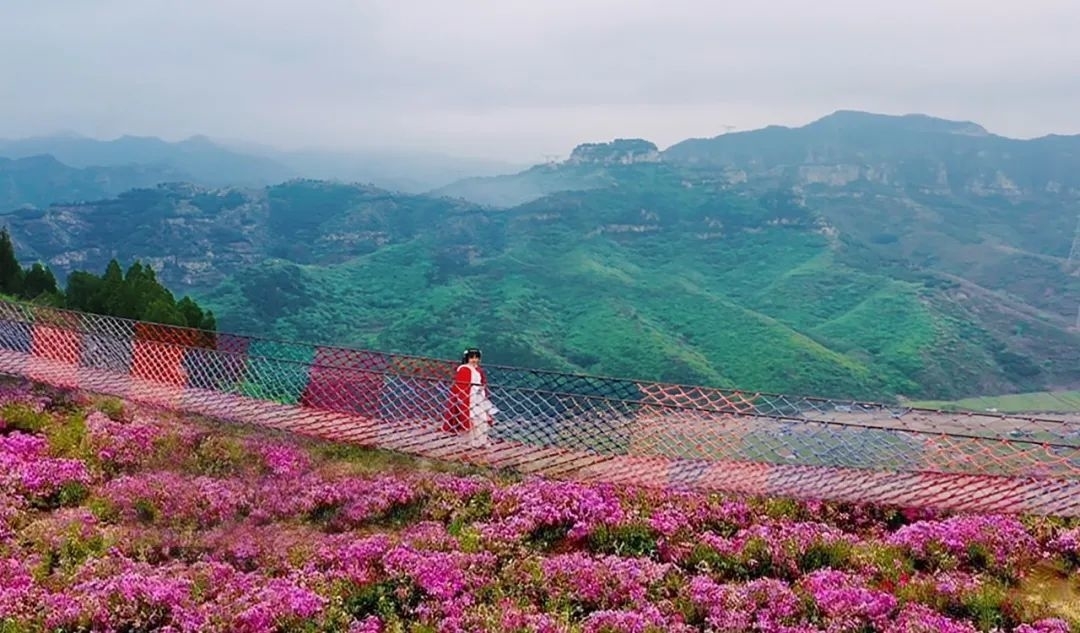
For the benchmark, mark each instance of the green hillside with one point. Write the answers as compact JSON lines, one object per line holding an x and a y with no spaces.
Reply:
{"x":1037,"y":402}
{"x":629,"y":280}
{"x":514,"y":189}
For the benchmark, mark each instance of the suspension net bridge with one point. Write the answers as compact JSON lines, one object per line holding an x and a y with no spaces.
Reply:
{"x":566,"y":425}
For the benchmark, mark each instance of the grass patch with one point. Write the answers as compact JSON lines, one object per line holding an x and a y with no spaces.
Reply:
{"x":1035,"y":402}
{"x":360,"y":460}
{"x":1053,"y":590}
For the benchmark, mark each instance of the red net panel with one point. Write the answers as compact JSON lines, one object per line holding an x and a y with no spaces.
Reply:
{"x":157,"y":354}
{"x":174,"y":335}
{"x":345,"y":381}
{"x":54,"y":343}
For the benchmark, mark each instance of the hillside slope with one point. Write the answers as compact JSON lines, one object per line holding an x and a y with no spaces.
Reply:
{"x":593,"y":281}
{"x":653,"y":280}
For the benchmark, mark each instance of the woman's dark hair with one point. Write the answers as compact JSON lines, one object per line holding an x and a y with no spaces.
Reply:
{"x":469,"y":353}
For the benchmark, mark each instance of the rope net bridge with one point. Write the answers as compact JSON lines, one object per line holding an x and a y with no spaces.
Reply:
{"x":565,"y":425}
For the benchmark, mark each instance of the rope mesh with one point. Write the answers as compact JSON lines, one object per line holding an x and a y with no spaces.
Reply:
{"x":566,"y":425}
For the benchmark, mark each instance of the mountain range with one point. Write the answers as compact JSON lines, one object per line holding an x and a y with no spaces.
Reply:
{"x":40,"y":180}
{"x":212,"y":163}
{"x":862,"y":256}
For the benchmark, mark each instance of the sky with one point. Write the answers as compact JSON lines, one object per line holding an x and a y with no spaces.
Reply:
{"x":523,"y":80}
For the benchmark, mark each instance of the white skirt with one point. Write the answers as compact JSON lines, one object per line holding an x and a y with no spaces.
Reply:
{"x":483,"y":410}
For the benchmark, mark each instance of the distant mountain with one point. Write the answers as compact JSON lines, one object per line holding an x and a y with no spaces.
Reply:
{"x":39,"y":181}
{"x":220,"y":163}
{"x":915,"y":191}
{"x":411,"y":172}
{"x":913,"y":153}
{"x":200,"y":158}
{"x":926,"y":193}
{"x":590,"y":166}
{"x":196,"y":236}
{"x":536,"y":182}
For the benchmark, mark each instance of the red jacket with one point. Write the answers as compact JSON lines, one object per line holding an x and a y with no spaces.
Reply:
{"x":456,"y":417}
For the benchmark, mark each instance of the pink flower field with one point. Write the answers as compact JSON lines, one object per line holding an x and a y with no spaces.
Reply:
{"x":117,"y":519}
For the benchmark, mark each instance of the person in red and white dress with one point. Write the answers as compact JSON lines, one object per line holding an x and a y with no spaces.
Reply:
{"x":470,"y":410}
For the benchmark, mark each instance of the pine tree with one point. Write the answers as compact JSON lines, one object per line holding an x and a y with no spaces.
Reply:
{"x":125,"y":298}
{"x":193,"y":314}
{"x":39,"y":280}
{"x":160,"y":310}
{"x":209,"y":322}
{"x":136,"y":294}
{"x":84,"y":292}
{"x":108,"y":295}
{"x":11,"y":272}
{"x":113,"y":272}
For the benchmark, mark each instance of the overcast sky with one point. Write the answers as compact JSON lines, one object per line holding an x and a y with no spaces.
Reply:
{"x":518,"y":79}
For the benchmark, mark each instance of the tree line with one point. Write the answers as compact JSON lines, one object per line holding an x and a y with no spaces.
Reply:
{"x":135,"y":294}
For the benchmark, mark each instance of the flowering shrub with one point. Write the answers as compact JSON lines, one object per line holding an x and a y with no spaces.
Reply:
{"x":126,"y":521}
{"x":172,"y":499}
{"x":121,"y":446}
{"x":546,"y":511}
{"x":846,"y":598}
{"x":21,"y":409}
{"x":1000,"y":545}
{"x":27,"y":471}
{"x":281,"y":460}
{"x":1067,"y":545}
{"x":12,"y":509}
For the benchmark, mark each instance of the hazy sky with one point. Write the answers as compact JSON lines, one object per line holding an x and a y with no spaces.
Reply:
{"x":519,"y":79}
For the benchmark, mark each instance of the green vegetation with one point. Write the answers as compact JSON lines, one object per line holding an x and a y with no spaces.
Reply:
{"x":537,"y":182}
{"x":136,"y":294}
{"x":1036,"y":402}
{"x":648,"y":278}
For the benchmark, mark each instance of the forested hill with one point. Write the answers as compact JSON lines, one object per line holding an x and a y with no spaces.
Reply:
{"x":687,"y":271}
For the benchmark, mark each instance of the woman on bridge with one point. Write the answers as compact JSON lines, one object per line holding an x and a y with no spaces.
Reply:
{"x":469,"y":409}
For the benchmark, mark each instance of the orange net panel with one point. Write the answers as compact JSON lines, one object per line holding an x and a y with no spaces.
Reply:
{"x":567,"y":425}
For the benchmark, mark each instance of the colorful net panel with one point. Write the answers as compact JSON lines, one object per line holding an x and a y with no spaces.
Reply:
{"x":566,"y":425}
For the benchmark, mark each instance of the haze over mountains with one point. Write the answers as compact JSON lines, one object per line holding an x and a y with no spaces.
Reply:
{"x":216,"y":163}
{"x":858,"y":256}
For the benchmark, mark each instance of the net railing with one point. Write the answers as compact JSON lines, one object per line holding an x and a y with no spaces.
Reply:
{"x":567,"y":425}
